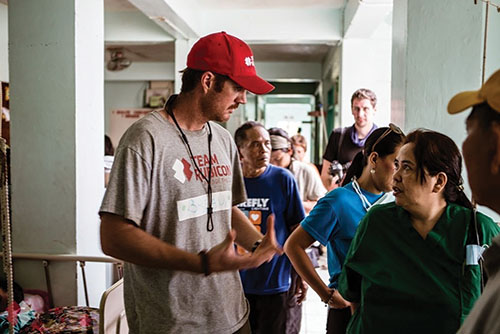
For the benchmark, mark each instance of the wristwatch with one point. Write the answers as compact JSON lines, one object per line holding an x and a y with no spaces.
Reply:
{"x":256,"y":244}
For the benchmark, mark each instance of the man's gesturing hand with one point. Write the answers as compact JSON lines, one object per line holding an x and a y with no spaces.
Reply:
{"x":269,"y":246}
{"x":223,"y":256}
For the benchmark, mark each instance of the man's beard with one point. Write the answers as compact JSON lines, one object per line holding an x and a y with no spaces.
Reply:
{"x":211,"y":108}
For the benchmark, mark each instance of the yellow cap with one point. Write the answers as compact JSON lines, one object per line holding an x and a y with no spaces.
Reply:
{"x":490,"y":93}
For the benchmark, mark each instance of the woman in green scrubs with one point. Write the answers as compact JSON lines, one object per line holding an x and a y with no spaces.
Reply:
{"x":335,"y":218}
{"x":413,"y":265}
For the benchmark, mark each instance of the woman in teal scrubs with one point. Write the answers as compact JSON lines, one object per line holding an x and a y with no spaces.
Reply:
{"x":413,"y":266}
{"x":334,"y":219}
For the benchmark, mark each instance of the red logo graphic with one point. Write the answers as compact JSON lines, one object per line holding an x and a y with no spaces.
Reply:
{"x":187,"y":169}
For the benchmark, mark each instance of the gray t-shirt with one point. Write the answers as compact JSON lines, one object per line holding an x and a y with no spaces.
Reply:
{"x":155,"y":184}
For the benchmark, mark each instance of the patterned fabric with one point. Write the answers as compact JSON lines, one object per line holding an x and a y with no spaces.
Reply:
{"x":24,"y":316}
{"x":68,"y":319}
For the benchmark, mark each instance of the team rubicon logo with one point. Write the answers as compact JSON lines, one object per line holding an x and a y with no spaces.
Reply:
{"x":249,"y":61}
{"x":184,"y":169}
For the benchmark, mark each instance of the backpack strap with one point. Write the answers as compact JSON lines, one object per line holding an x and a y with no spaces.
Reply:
{"x":341,"y":140}
{"x":474,"y":233}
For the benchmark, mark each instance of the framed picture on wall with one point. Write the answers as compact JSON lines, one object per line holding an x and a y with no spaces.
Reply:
{"x":5,"y":95}
{"x":158,"y":93}
{"x":5,"y":112}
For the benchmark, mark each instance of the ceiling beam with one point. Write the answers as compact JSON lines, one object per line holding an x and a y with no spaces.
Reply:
{"x":172,"y":17}
{"x":363,"y":17}
{"x":277,"y":25}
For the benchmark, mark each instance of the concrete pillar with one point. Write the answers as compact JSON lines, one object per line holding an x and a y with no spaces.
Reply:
{"x":366,"y":59}
{"x":366,"y":63}
{"x":4,"y":53}
{"x":438,"y":48}
{"x":182,"y":47}
{"x":437,"y":52}
{"x":56,"y":76}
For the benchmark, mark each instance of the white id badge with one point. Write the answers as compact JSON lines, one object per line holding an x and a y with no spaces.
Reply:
{"x":473,"y":254}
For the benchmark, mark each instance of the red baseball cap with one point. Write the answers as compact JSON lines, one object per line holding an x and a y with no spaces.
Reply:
{"x":227,"y":55}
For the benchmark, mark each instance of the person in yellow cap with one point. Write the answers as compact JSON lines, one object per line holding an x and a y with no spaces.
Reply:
{"x":481,"y":150}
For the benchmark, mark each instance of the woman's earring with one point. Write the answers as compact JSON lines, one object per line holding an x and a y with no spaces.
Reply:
{"x":372,"y":170}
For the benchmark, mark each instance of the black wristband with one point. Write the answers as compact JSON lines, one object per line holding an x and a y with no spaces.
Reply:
{"x":327,"y":302}
{"x":256,"y":244}
{"x":204,"y":262}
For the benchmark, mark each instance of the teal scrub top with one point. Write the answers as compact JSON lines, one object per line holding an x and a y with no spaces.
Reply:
{"x":406,"y":284}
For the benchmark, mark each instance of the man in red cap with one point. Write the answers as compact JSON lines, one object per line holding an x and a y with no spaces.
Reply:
{"x":170,"y":207}
{"x":481,"y":150}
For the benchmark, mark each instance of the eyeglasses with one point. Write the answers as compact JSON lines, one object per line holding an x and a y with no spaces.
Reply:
{"x":392,"y":128}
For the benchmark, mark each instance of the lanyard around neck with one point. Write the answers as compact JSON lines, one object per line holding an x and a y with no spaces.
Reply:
{"x":168,"y":109}
{"x":366,"y":204}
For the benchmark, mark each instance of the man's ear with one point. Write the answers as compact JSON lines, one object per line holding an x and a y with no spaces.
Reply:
{"x":495,"y":159}
{"x":440,"y":182}
{"x":207,"y":81}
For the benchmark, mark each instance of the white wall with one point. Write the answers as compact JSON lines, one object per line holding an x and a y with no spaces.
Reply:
{"x":283,"y":24}
{"x":143,"y":71}
{"x":366,"y":56}
{"x":89,"y":147}
{"x":439,"y":56}
{"x":4,"y":44}
{"x":138,"y":28}
{"x":122,"y":95}
{"x":443,"y":52}
{"x":366,"y":64}
{"x":330,"y":69}
{"x":493,"y":45}
{"x":398,"y":68}
{"x":289,"y":70}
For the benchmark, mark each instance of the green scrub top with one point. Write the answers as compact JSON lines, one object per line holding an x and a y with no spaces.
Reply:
{"x":406,"y":284}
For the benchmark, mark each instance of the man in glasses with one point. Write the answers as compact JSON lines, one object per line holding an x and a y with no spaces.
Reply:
{"x":271,"y":190}
{"x":170,"y":207}
{"x":345,"y":143}
{"x":481,"y":150}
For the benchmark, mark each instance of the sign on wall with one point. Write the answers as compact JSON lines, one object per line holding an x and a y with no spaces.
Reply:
{"x":121,"y":119}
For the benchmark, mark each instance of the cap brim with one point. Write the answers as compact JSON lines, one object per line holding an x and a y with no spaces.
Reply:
{"x":464,"y":100}
{"x":253,"y":84}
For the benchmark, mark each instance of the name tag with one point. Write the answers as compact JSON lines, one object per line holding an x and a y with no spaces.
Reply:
{"x":473,"y":254}
{"x":197,"y":206}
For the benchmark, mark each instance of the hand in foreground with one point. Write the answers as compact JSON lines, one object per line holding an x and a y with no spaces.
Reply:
{"x":269,"y":246}
{"x":301,"y":290}
{"x":354,"y":307}
{"x":337,"y":301}
{"x":223,"y":257}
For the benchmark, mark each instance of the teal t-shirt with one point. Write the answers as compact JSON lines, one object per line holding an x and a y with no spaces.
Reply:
{"x":333,"y":222}
{"x":406,"y":284}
